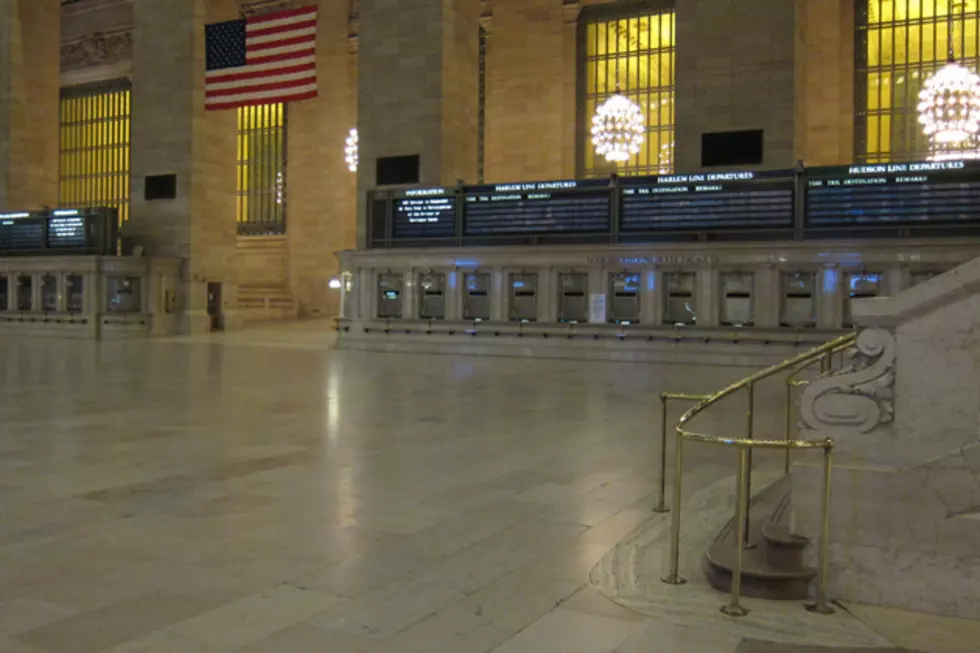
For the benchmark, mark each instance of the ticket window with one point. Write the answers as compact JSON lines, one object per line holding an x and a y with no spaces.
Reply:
{"x":680,"y":302}
{"x":432,"y":296}
{"x":737,"y":294}
{"x":390,"y":295}
{"x":859,"y":286}
{"x":49,"y":293}
{"x":573,"y":300}
{"x":523,"y":297}
{"x":799,"y":305}
{"x":625,"y":298}
{"x":74,"y":287}
{"x":476,"y":297}
{"x":25,"y":292}
{"x":921,"y":276}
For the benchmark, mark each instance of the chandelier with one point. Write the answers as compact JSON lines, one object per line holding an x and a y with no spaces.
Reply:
{"x":351,"y":155}
{"x":617,"y":129}
{"x":949,"y":108}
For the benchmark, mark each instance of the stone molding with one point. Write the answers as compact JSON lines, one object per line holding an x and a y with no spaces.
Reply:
{"x":858,"y":398}
{"x":97,"y":49}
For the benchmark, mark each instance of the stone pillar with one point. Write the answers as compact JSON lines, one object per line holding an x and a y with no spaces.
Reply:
{"x":173,"y":134}
{"x":417,"y":89}
{"x":321,"y":210}
{"x":30,"y":81}
{"x":527,"y":87}
{"x":735,"y":72}
{"x":825,"y":82}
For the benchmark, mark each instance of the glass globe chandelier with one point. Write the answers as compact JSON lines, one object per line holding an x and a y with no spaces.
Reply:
{"x":949,"y":108}
{"x":617,"y":129}
{"x":351,"y":154}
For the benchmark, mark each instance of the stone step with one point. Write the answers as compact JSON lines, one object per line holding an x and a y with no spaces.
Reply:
{"x":782,"y":549}
{"x":760,"y":579}
{"x":762,"y":646}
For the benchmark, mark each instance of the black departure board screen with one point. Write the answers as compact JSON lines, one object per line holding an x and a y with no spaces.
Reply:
{"x":946,"y":192}
{"x":66,"y":230}
{"x":550,"y":207}
{"x":21,"y":231}
{"x":424,"y":213}
{"x":705,"y":201}
{"x":59,"y":231}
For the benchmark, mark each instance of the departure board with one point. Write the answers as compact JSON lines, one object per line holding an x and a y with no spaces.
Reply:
{"x":66,"y":230}
{"x":708,"y":201}
{"x":424,"y":213}
{"x":550,"y":207}
{"x":59,"y":231}
{"x":21,"y":231}
{"x":946,"y":192}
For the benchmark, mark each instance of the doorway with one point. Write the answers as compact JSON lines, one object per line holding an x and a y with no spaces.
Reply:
{"x":214,"y":306}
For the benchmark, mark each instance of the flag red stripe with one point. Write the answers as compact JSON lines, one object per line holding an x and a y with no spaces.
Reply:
{"x":279,"y":15}
{"x":283,"y":56}
{"x":281,"y":43}
{"x":259,"y":88}
{"x":279,"y":29}
{"x":251,"y":103}
{"x":285,"y":70}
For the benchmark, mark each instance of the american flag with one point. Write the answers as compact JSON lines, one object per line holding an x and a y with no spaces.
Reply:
{"x":261,"y":59}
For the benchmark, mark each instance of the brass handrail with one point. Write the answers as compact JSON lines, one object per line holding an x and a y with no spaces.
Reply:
{"x":822,"y":354}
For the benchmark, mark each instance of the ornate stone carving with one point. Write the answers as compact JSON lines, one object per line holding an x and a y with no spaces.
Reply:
{"x":96,"y":49}
{"x":859,"y":397}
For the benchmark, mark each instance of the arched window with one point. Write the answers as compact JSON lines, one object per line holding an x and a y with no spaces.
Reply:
{"x":261,"y":196}
{"x":94,"y":134}
{"x":899,"y":44}
{"x":628,"y":47}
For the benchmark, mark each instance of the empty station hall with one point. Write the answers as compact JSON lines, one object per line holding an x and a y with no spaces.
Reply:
{"x":489,"y":326}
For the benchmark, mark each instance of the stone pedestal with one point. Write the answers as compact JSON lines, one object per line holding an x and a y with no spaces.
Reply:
{"x":173,"y":134}
{"x":30,"y":35}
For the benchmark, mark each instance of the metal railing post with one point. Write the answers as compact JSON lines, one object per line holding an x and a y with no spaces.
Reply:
{"x":673,"y":576}
{"x":662,"y":501}
{"x":788,"y":415}
{"x":735,"y":608}
{"x":820,"y":605}
{"x":749,"y":434}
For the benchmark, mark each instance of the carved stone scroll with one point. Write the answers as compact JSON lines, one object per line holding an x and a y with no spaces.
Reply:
{"x":95,"y":49}
{"x":859,"y":397}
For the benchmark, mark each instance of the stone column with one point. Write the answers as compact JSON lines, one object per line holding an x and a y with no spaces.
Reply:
{"x":173,"y":134}
{"x":417,"y":89}
{"x":825,"y":82}
{"x":527,"y":87}
{"x":30,"y":81}
{"x":735,"y":71}
{"x":321,"y":210}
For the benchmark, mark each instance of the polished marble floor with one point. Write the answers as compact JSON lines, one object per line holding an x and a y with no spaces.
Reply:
{"x":262,"y":493}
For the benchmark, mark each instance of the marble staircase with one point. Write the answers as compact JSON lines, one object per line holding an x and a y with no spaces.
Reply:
{"x":772,"y":565}
{"x":261,"y":303}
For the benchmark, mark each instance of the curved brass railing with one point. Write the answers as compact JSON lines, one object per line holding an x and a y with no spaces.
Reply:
{"x":823,"y":355}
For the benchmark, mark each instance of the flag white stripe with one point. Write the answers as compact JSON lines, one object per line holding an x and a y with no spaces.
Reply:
{"x":261,"y":95}
{"x":299,"y":18}
{"x":267,"y":38}
{"x":293,"y":47}
{"x":215,"y":75}
{"x":269,"y":79}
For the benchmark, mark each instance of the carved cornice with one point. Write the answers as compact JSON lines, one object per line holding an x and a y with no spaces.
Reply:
{"x":96,"y":49}
{"x":858,"y":398}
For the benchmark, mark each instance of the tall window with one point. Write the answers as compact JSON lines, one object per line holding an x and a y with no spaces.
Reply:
{"x":900,"y":43}
{"x":262,"y":170}
{"x":94,"y":146}
{"x":630,"y":51}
